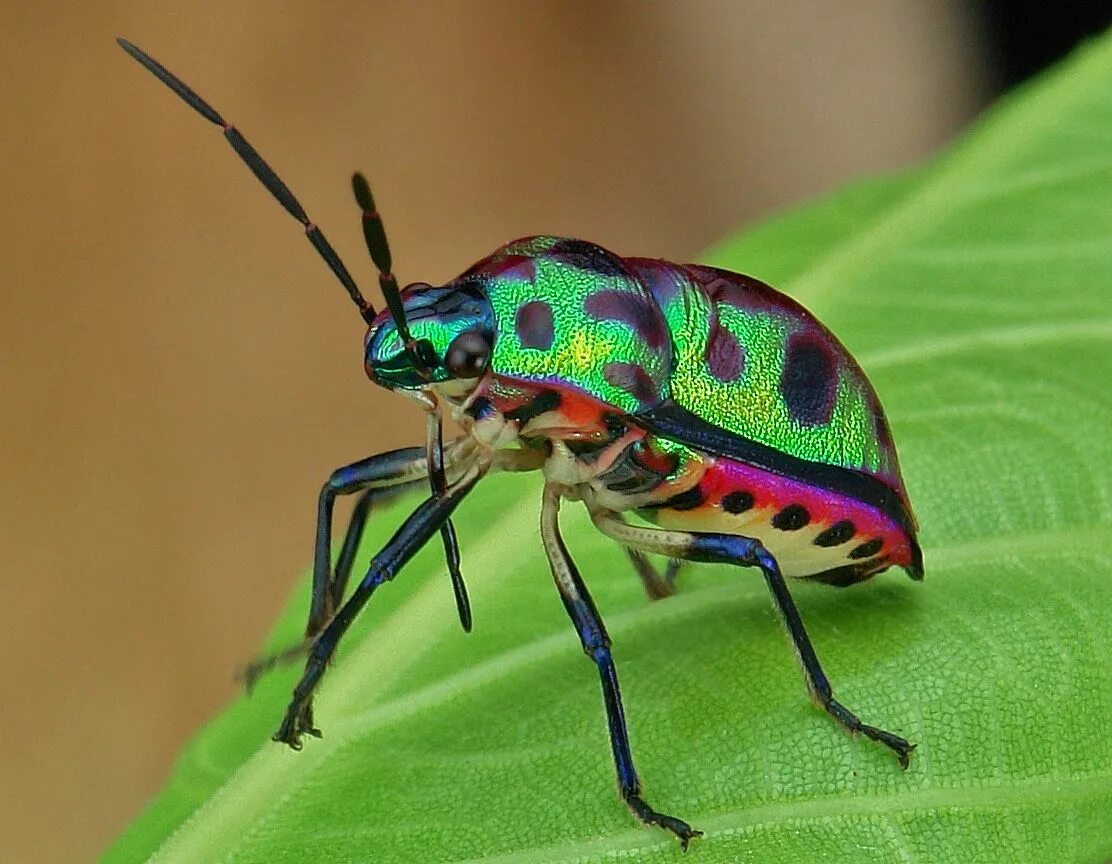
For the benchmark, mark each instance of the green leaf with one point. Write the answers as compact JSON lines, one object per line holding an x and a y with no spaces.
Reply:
{"x":976,"y":295}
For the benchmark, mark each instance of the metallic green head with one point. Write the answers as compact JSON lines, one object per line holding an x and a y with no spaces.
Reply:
{"x":453,"y":336}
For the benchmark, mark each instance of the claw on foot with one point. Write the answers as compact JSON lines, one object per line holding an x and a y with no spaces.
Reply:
{"x":297,"y":722}
{"x":900,"y":746}
{"x":684,"y":832}
{"x":903,"y":754}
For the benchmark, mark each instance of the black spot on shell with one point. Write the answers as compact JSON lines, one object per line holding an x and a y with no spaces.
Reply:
{"x":633,"y":379}
{"x":725,"y":356}
{"x":638,"y":313}
{"x":836,"y":534}
{"x":533,"y":323}
{"x":737,"y":502}
{"x":867,"y":550}
{"x":809,"y":382}
{"x":791,"y":518}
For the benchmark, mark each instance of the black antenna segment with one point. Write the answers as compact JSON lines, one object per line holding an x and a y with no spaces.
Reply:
{"x":420,"y":352}
{"x":267,"y":177}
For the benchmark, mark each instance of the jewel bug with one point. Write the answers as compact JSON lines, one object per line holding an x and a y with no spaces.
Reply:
{"x":697,"y":413}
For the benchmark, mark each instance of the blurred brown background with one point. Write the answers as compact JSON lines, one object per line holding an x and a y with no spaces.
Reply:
{"x":178,"y":370}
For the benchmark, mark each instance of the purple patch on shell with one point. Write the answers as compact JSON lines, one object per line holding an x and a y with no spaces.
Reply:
{"x":725,"y":355}
{"x":534,"y":327}
{"x":666,"y":282}
{"x":633,"y":379}
{"x":638,"y":313}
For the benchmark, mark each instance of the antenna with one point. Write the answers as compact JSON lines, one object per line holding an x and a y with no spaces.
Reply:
{"x":268,"y":178}
{"x":420,"y":352}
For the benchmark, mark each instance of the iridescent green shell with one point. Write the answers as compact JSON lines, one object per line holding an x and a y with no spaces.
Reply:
{"x":756,"y":364}
{"x":640,"y":335}
{"x":568,"y":314}
{"x":634,"y":332}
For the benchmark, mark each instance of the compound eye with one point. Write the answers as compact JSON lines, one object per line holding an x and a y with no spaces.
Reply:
{"x":468,"y":355}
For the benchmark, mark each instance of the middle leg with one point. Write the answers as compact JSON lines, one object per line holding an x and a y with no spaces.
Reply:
{"x":596,"y":645}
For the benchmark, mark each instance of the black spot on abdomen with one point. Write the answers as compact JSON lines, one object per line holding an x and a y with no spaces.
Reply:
{"x":836,"y":534}
{"x":809,"y":381}
{"x":867,"y":550}
{"x":688,"y":500}
{"x":843,"y":577}
{"x":737,"y":502}
{"x":543,"y":402}
{"x":791,"y":518}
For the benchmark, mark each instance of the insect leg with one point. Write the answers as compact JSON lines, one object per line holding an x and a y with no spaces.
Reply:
{"x":434,"y":457}
{"x":596,"y":644}
{"x":656,"y":586}
{"x":409,"y":538}
{"x":382,"y":475}
{"x":374,"y":473}
{"x":336,"y":587}
{"x":747,"y":552}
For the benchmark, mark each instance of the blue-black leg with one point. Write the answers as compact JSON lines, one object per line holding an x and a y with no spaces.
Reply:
{"x":392,"y":472}
{"x":596,"y":645}
{"x":381,"y":471}
{"x":730,"y":549}
{"x":378,"y":477}
{"x":410,"y":537}
{"x":434,"y":451}
{"x":747,"y":552}
{"x":353,"y":536}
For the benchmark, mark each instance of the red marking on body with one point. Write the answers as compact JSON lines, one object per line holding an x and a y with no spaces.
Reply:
{"x":584,"y":411}
{"x":773,"y":492}
{"x":577,"y":415}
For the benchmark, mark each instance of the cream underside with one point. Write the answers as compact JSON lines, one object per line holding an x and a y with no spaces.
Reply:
{"x":795,"y":551}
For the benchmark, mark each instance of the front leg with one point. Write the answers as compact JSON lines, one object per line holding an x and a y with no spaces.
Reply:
{"x":596,"y":645}
{"x":426,"y":520}
{"x":336,"y":586}
{"x":746,"y":552}
{"x":377,"y":477}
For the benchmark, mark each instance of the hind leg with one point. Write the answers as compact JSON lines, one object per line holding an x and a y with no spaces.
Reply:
{"x":657,"y":585}
{"x":747,"y":552}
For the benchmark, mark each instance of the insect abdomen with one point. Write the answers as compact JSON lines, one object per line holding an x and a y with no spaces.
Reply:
{"x":812,"y":532}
